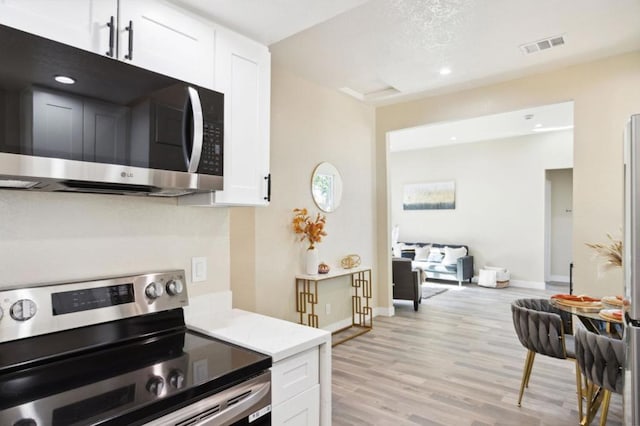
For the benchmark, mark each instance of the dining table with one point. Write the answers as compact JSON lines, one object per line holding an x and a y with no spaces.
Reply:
{"x":596,"y":317}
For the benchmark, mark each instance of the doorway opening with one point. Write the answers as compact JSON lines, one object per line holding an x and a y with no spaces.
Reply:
{"x":558,"y":226}
{"x":499,"y":209}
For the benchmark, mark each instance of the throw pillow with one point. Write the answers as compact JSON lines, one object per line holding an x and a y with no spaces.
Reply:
{"x":451,"y":255}
{"x":435,"y":255}
{"x":422,"y":253}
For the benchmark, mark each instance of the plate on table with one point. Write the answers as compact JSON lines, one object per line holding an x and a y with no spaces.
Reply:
{"x":583,"y":303}
{"x":611,"y":314}
{"x":614,"y":302}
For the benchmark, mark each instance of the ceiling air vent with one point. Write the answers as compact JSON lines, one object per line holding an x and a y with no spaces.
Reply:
{"x":544,"y":44}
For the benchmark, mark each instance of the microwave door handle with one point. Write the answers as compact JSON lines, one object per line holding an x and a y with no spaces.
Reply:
{"x":196,"y":146}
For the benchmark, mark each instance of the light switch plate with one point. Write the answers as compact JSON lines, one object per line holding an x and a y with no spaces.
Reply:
{"x":198,"y":269}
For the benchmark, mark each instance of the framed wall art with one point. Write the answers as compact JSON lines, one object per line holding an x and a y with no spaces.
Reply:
{"x":429,"y":196}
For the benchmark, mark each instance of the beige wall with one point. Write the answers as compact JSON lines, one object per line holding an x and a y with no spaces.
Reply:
{"x":605,"y":93}
{"x":309,"y":124}
{"x":47,"y":237}
{"x":561,"y":225}
{"x":500,"y":191}
{"x":243,"y":257}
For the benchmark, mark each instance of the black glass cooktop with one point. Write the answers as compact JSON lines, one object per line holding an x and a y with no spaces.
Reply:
{"x":125,"y":382}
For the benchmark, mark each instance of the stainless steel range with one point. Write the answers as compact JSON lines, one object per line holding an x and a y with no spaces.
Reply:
{"x":116,"y":352}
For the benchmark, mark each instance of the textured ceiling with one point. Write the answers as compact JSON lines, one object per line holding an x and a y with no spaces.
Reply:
{"x":393,"y":49}
{"x":385,"y":51}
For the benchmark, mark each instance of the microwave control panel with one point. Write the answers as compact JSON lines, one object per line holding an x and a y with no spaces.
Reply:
{"x":212,"y":146}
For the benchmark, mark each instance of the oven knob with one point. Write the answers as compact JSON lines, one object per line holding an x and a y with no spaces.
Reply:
{"x":153,"y":291}
{"x":155,"y":385}
{"x":174,"y":287}
{"x":23,"y":310}
{"x":176,"y":379}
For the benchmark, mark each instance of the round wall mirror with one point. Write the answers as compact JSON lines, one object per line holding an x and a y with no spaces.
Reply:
{"x":326,"y":187}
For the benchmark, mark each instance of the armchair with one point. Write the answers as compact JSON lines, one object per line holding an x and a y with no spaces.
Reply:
{"x":406,"y":281}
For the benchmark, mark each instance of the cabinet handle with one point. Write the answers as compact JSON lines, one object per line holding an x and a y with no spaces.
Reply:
{"x":111,"y":26}
{"x":268,"y":179}
{"x":129,"y":56}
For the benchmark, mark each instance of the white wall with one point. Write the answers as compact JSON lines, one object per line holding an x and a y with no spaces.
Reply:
{"x":47,"y":237}
{"x":561,"y":225}
{"x":309,"y":125}
{"x":500,"y":187}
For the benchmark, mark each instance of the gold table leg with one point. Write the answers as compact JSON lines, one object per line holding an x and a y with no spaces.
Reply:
{"x":307,"y":293}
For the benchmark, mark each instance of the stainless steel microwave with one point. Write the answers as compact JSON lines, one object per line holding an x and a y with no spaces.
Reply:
{"x":71,"y":120}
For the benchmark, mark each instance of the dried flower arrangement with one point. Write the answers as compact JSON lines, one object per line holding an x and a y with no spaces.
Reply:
{"x":312,"y":230}
{"x":610,"y":252}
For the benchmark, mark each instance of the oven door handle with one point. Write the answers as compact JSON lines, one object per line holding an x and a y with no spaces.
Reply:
{"x":250,"y":400}
{"x":198,"y":124}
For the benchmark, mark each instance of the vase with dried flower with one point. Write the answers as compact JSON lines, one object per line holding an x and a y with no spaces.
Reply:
{"x":311,"y":230}
{"x":611,"y":252}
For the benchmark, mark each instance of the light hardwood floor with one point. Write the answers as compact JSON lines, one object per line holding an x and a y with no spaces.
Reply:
{"x":455,"y":362}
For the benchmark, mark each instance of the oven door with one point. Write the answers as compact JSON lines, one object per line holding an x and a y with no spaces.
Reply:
{"x":248,"y":402}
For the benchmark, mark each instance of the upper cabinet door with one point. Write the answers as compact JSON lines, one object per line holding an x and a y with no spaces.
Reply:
{"x":243,"y":74}
{"x":163,"y":38}
{"x":79,"y":23}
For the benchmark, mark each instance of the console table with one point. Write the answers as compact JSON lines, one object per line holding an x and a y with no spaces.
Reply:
{"x":361,"y":311}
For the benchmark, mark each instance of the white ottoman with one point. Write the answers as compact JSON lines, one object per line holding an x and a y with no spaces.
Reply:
{"x":494,"y":277}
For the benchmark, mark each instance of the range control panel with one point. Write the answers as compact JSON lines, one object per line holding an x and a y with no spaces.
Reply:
{"x":30,"y":311}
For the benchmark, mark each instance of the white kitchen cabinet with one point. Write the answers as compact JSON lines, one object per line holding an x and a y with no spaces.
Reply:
{"x":164,"y":39}
{"x":243,"y":74}
{"x":301,"y":410}
{"x":161,"y":37}
{"x":79,"y":23}
{"x":295,"y":392}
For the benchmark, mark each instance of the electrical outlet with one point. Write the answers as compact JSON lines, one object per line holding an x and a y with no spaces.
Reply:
{"x":198,"y":269}
{"x":327,"y":308}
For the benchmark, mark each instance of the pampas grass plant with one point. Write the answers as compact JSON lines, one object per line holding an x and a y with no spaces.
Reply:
{"x":611,"y":252}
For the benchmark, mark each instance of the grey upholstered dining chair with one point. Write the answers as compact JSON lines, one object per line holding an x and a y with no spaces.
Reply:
{"x":543,"y":329}
{"x":601,"y":360}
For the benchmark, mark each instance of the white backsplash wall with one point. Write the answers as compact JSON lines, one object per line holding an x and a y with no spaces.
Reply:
{"x":48,"y":237}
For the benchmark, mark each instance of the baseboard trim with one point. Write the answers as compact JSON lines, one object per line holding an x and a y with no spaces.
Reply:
{"x":381,"y":311}
{"x":559,"y":278}
{"x":537,"y":285}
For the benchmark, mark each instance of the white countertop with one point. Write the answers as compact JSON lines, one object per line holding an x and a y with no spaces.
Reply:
{"x":271,"y":336}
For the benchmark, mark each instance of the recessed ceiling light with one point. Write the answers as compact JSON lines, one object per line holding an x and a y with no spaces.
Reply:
{"x":538,"y":125}
{"x":453,"y":138}
{"x":445,"y":71}
{"x":64,"y":79}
